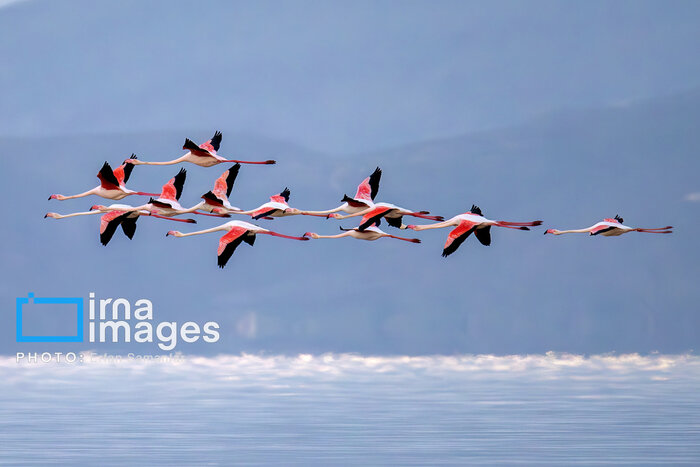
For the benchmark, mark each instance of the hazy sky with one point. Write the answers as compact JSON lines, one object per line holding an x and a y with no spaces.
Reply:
{"x":323,"y":87}
{"x":336,"y":76}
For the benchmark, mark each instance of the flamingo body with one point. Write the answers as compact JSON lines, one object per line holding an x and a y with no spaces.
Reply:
{"x":611,"y":227}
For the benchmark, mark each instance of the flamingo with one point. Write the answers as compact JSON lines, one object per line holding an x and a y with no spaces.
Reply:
{"x":167,"y":204}
{"x":370,"y":233}
{"x":113,"y":216}
{"x":216,"y":200}
{"x":236,"y":232}
{"x":203,"y":155}
{"x":363,"y":199}
{"x":471,"y":221}
{"x":392,"y":213}
{"x":111,"y":183}
{"x":611,"y":228}
{"x":277,"y":207}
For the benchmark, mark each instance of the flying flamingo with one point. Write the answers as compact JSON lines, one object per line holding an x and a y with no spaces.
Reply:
{"x":611,"y":228}
{"x":363,"y":199}
{"x":167,"y":204}
{"x":113,"y":216}
{"x":277,"y":207}
{"x":471,"y":221}
{"x":370,"y":233}
{"x":216,"y":200}
{"x":392,"y":213}
{"x":203,"y":155}
{"x":236,"y":232}
{"x":111,"y":183}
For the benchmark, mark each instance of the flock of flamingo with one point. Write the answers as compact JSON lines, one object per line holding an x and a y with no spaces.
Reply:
{"x":215,"y":203}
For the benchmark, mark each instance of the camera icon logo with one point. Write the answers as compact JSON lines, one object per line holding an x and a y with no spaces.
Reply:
{"x":68,"y":311}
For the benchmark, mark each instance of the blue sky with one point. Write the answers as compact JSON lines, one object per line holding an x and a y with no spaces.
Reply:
{"x":560,"y":111}
{"x":335,"y":76}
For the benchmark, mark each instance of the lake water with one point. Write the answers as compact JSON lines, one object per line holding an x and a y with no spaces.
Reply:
{"x":350,"y":409}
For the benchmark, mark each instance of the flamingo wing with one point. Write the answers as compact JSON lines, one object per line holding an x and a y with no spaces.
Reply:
{"x":173,"y":189}
{"x":457,"y":237}
{"x":129,"y":226}
{"x":264,"y":212}
{"x":160,"y":203}
{"x":123,"y":172}
{"x":212,"y":145}
{"x":283,"y":197}
{"x":599,"y":229}
{"x":224,"y":184}
{"x":370,"y":186}
{"x":109,"y":223}
{"x":373,"y":216}
{"x":394,"y":221}
{"x":229,"y":242}
{"x":212,"y":199}
{"x":231,"y":178}
{"x":107,"y":179}
{"x":353,"y":202}
{"x":192,"y":147}
{"x":476,"y":210}
{"x":484,"y":235}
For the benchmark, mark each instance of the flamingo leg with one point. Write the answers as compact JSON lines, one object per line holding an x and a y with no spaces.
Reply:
{"x":423,"y":215}
{"x":211,"y":215}
{"x":189,"y":221}
{"x":275,"y":234}
{"x":251,"y":162}
{"x":412,"y":240}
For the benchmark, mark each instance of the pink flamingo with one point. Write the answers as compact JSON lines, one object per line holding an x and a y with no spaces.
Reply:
{"x":236,"y":233}
{"x":113,"y":216}
{"x":611,"y":228}
{"x":392,"y":213}
{"x":203,"y":155}
{"x":471,"y":221}
{"x":111,"y":183}
{"x":363,"y":199}
{"x":277,"y":207}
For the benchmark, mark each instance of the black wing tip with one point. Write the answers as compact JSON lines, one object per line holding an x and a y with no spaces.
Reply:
{"x":190,"y":145}
{"x":619,"y":219}
{"x":476,"y":210}
{"x":216,"y":140}
{"x":285,"y":194}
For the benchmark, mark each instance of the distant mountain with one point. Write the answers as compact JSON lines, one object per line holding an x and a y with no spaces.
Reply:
{"x":525,"y":293}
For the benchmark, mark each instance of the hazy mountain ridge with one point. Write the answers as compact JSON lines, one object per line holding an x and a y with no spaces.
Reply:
{"x":388,"y":297}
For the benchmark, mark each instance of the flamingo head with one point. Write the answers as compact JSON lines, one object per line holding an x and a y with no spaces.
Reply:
{"x":58,"y":197}
{"x":98,"y":207}
{"x":174,"y":233}
{"x":333,"y":215}
{"x":311,"y":234}
{"x":52,"y":215}
{"x":410,"y":226}
{"x":551,"y":231}
{"x":220,"y":211}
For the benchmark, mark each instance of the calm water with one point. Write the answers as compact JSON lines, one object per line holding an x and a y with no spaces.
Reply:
{"x":347,"y":409}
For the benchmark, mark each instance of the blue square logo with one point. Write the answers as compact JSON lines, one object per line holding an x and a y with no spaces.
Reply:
{"x":64,"y":302}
